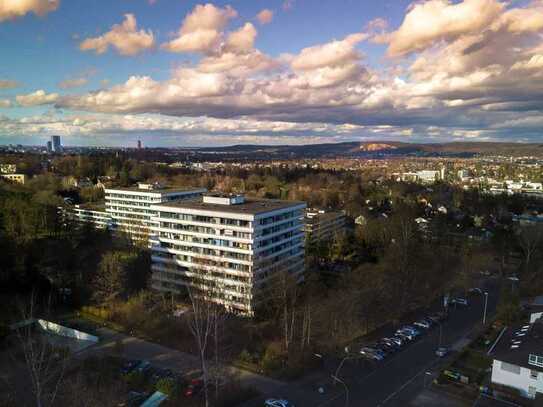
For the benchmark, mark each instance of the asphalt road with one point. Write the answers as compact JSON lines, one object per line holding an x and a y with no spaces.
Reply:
{"x":397,"y":380}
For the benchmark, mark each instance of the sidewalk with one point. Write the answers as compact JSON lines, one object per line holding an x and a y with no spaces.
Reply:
{"x":167,"y":358}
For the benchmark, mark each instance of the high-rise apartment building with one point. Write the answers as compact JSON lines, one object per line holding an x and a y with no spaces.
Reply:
{"x":226,"y":247}
{"x":130,"y":208}
{"x":49,"y":146}
{"x":55,"y":144}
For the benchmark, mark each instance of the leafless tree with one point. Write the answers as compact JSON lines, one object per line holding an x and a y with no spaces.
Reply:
{"x":44,"y":364}
{"x":200,"y":322}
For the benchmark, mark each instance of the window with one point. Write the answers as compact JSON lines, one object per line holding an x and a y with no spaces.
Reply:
{"x":535,"y":360}
{"x":533,"y":374}
{"x":508,"y":367}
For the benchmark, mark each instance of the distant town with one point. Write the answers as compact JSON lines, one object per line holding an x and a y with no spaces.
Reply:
{"x":183,"y":273}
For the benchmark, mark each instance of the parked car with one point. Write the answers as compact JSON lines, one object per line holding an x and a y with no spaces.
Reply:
{"x":133,"y":399}
{"x":405,"y":336}
{"x":371,"y":353}
{"x":129,"y":366}
{"x":195,"y":386}
{"x":390,"y":347}
{"x":410,"y":329}
{"x":278,"y":403}
{"x":397,"y":340}
{"x":442,"y":351}
{"x":438,"y":317}
{"x":394,"y":341}
{"x":459,"y":300}
{"x":143,"y":367}
{"x":423,"y":324}
{"x":475,"y":290}
{"x":159,"y":374}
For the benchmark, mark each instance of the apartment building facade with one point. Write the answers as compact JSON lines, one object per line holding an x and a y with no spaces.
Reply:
{"x":321,"y":225}
{"x":130,"y":208}
{"x":96,"y":215}
{"x":226,"y":247}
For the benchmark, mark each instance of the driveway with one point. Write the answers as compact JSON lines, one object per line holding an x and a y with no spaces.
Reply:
{"x":167,"y":358}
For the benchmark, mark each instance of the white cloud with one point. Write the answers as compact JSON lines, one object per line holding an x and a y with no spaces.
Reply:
{"x":434,"y":20}
{"x":125,"y":38}
{"x":11,"y":9}
{"x":201,"y":30}
{"x":265,"y":16}
{"x":5,"y":103}
{"x":37,"y":98}
{"x":241,"y":40}
{"x":330,"y":54}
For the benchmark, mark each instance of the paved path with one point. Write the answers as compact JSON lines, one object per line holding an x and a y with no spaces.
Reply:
{"x":167,"y":358}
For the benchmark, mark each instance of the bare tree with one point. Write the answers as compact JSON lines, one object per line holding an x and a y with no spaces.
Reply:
{"x":44,"y":364}
{"x":201,"y":321}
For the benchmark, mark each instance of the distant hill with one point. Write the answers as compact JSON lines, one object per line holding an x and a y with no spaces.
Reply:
{"x":376,"y":149}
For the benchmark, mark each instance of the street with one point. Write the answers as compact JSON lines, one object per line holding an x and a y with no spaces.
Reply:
{"x":398,"y":379}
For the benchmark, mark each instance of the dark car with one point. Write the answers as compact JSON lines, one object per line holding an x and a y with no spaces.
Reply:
{"x":195,"y":386}
{"x":129,"y":366}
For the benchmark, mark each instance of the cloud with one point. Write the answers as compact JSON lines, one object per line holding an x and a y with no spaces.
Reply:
{"x":456,"y":80}
{"x":11,"y":9}
{"x":125,"y":38}
{"x":37,"y":98}
{"x":72,"y":83}
{"x":5,"y":103}
{"x":8,"y":84}
{"x":241,"y":40}
{"x":201,"y":30}
{"x":435,"y":20}
{"x":265,"y":16}
{"x":330,"y":54}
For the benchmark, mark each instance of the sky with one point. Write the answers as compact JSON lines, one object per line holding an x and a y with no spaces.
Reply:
{"x":185,"y":73}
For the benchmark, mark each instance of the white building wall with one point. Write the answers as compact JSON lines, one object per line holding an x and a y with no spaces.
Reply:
{"x":522,"y":380}
{"x":241,"y":263}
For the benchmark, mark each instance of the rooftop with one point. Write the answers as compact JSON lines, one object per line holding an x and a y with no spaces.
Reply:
{"x":92,"y":206}
{"x":161,"y":189}
{"x":250,"y":206}
{"x":518,"y":343}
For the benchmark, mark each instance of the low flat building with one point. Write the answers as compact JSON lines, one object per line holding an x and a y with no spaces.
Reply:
{"x":321,"y":225}
{"x":94,"y":214}
{"x":130,"y":208}
{"x":18,"y":178}
{"x":518,"y":359}
{"x":226,"y":247}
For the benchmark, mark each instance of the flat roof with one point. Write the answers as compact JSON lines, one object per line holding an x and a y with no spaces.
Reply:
{"x":518,"y":343}
{"x":251,"y":206}
{"x":154,"y":191}
{"x":93,"y":206}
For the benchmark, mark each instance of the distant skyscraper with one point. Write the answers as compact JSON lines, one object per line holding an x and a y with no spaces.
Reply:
{"x":139,"y":144}
{"x":49,"y":146}
{"x":55,"y":141}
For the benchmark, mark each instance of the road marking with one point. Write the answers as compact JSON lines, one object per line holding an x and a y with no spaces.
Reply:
{"x":408,"y":382}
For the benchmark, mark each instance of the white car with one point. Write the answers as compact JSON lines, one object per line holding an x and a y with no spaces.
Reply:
{"x":278,"y":403}
{"x":461,"y":301}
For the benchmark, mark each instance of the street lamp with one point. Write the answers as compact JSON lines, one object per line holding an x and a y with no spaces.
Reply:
{"x":346,"y":389}
{"x":486,"y":304}
{"x":425,"y":375}
{"x":440,"y":333}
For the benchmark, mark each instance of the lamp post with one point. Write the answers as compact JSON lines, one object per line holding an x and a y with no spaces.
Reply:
{"x":486,"y":304}
{"x":440,"y":333}
{"x":425,"y":375}
{"x":337,"y":379}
